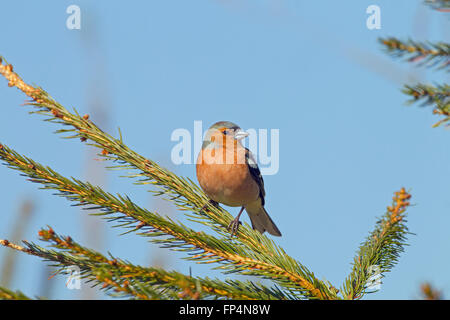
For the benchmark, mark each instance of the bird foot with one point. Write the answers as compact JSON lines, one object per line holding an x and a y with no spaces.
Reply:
{"x":210,"y":202}
{"x":234,"y":226}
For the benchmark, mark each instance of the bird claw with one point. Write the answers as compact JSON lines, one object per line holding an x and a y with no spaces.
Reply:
{"x":234,"y":226}
{"x":210,"y":202}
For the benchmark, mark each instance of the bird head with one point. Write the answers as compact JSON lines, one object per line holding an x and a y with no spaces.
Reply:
{"x":222,"y":133}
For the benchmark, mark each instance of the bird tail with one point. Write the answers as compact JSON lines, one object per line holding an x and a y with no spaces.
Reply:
{"x":260,"y":219}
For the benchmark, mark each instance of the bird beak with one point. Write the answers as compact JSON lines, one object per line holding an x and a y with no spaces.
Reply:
{"x":239,"y":135}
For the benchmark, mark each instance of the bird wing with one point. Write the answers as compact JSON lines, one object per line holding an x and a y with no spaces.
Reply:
{"x":255,"y":173}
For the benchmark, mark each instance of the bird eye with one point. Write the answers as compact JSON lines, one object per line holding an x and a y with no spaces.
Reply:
{"x":225,"y":131}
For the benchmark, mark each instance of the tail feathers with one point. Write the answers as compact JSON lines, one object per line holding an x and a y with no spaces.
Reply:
{"x":261,"y":220}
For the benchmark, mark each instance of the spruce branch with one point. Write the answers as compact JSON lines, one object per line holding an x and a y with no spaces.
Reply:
{"x":265,"y":255}
{"x":381,"y":249}
{"x":425,"y":54}
{"x":127,"y":280}
{"x":87,"y":267}
{"x":232,"y":256}
{"x":439,"y":5}
{"x":7,"y":294}
{"x":438,"y":96}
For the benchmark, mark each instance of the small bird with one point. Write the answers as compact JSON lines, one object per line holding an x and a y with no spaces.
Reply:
{"x":228,"y":174}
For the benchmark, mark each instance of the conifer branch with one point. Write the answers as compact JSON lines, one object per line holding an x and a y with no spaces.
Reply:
{"x":425,"y":54}
{"x":232,"y":256}
{"x":6,"y":294}
{"x":439,"y":96}
{"x":128,"y":280}
{"x":381,"y":249}
{"x":439,"y":5}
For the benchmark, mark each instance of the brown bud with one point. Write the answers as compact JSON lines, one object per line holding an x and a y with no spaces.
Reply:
{"x":140,"y":225}
{"x":56,"y":113}
{"x":113,"y":262}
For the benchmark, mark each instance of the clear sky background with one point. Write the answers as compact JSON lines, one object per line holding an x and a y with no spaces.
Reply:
{"x":311,"y":69}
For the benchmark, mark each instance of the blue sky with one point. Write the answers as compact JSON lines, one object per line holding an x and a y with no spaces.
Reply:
{"x":310,"y":69}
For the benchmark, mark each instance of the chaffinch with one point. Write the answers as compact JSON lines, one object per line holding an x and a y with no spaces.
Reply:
{"x":228,"y":174}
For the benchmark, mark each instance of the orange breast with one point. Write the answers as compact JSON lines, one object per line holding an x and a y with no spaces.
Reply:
{"x":227,"y":183}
